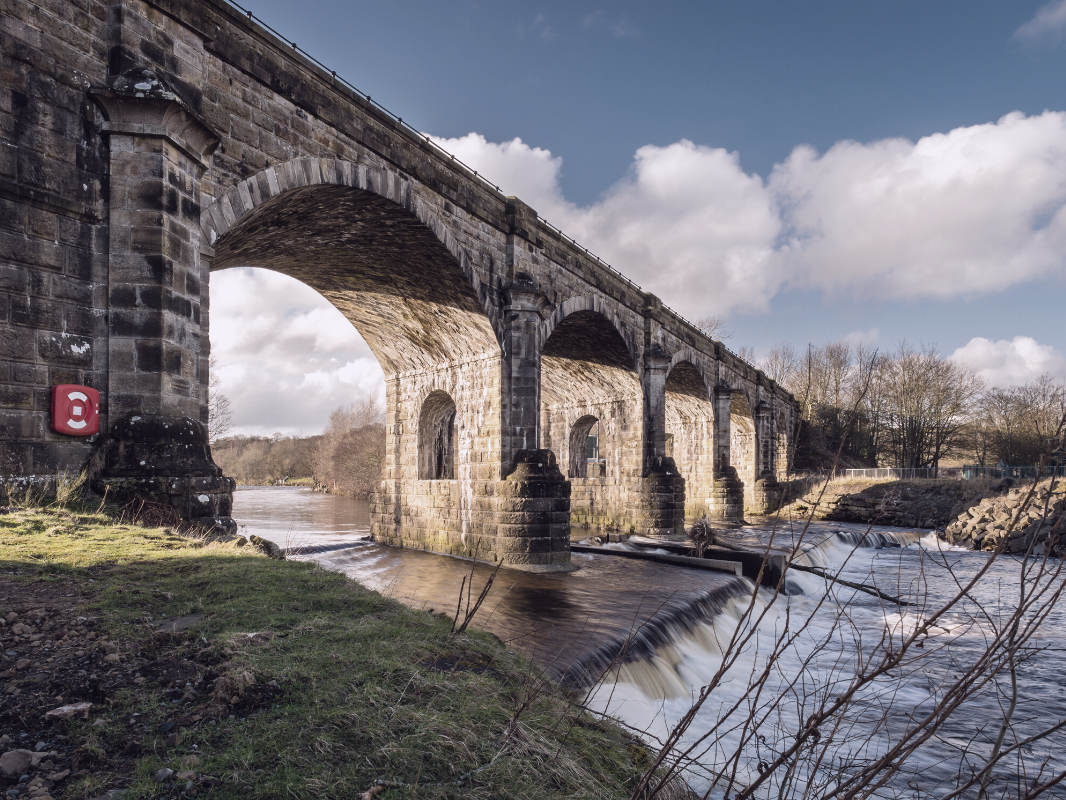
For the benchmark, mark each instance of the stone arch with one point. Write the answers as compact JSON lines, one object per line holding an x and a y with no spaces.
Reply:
{"x":366,"y":240}
{"x":743,"y":443}
{"x":238,"y":202}
{"x":588,"y":304}
{"x":690,"y":428}
{"x":587,"y":370}
{"x":437,"y":437}
{"x":696,"y":361}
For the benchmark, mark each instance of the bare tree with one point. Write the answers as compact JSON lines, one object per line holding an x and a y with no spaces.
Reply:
{"x":219,"y":416}
{"x":928,"y":399}
{"x":350,"y":455}
{"x":713,"y":326}
{"x":782,"y":364}
{"x":1013,"y":424}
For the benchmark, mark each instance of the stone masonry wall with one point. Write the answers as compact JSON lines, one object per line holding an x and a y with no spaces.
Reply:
{"x":53,"y":226}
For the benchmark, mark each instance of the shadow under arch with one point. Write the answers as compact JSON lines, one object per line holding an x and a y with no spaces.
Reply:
{"x":385,"y":270}
{"x":591,"y":312}
{"x":362,"y":239}
{"x":588,"y":372}
{"x":690,"y":434}
{"x":743,"y":444}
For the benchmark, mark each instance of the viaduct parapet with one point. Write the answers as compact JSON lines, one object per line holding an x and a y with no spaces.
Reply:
{"x":149,"y":143}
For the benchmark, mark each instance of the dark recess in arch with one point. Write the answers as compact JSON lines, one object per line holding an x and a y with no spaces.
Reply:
{"x":436,"y":438}
{"x":589,"y":336}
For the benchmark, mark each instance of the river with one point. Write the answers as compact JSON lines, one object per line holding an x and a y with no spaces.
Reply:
{"x":657,"y":631}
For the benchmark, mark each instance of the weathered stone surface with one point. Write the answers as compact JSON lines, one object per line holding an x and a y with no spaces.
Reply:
{"x":177,"y":138}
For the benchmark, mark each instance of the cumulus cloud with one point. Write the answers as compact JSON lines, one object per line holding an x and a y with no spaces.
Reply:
{"x":284,"y":355}
{"x":1011,"y":362}
{"x":530,"y":173}
{"x":971,"y":211}
{"x":686,"y":223}
{"x":1048,"y":26}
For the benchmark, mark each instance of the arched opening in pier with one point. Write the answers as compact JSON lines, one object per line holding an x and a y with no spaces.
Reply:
{"x":585,"y":459}
{"x":436,"y":438}
{"x":394,"y":278}
{"x":783,"y":462}
{"x":690,"y":435}
{"x":743,"y":452}
{"x":588,"y":374}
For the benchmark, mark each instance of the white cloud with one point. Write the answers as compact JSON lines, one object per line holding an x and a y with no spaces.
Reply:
{"x":863,"y":337}
{"x":968,"y":212}
{"x":1048,"y":26}
{"x":687,"y":223}
{"x":285,"y":356}
{"x":690,"y":225}
{"x":1011,"y":362}
{"x":529,"y":173}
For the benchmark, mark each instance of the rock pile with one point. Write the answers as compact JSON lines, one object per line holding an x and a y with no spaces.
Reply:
{"x":1037,"y":521}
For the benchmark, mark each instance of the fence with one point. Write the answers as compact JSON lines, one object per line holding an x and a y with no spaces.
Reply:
{"x":900,"y":473}
{"x":1009,"y":471}
{"x":1018,"y":472}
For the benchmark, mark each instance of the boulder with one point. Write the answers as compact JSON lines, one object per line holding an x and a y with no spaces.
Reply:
{"x":14,"y":763}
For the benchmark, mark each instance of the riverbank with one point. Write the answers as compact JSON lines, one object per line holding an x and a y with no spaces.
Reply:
{"x":883,"y":501}
{"x":203,"y":668}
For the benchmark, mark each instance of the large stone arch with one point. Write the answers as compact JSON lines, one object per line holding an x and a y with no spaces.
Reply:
{"x":587,"y":370}
{"x":240,"y":201}
{"x":361,"y":238}
{"x":690,"y":428}
{"x":595,"y":304}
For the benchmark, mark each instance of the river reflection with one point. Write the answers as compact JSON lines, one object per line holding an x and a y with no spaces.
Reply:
{"x":566,"y":622}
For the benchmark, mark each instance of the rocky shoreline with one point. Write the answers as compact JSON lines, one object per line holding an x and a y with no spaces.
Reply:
{"x":906,"y":504}
{"x":1026,"y":517}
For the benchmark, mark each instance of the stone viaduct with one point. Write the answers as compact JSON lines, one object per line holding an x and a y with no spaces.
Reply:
{"x":147,"y":143}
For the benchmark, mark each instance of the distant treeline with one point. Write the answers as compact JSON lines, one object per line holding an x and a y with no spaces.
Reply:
{"x":346,"y":459}
{"x":912,"y":407}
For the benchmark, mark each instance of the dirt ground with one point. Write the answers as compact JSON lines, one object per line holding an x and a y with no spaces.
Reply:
{"x":67,"y":689}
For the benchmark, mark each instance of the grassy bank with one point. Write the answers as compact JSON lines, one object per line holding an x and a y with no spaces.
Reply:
{"x":248,"y":676}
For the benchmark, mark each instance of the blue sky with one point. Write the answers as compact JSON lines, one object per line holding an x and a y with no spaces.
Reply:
{"x":810,"y":170}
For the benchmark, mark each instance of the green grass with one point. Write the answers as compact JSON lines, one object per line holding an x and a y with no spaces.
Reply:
{"x":359,"y":698}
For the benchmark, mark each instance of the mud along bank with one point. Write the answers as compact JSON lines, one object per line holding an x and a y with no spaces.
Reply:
{"x":185,"y":667}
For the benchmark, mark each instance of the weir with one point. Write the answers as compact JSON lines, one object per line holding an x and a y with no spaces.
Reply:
{"x":612,"y":616}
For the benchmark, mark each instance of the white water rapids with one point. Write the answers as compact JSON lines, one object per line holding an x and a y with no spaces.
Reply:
{"x":653,"y":695}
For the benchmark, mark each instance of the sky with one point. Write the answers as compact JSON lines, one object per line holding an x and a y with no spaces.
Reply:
{"x":810,"y":171}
